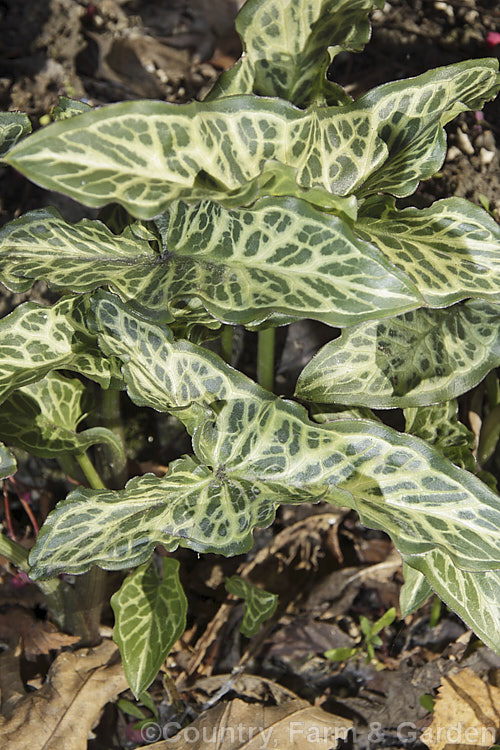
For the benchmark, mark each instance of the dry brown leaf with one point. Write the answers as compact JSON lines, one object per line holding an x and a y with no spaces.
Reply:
{"x":38,"y":636}
{"x":237,"y":725}
{"x":62,"y":713}
{"x":466,"y":714}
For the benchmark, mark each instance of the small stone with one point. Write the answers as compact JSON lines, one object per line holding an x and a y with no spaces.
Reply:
{"x":486,"y":156}
{"x":464,"y":143}
{"x":453,"y":153}
{"x":446,"y":9}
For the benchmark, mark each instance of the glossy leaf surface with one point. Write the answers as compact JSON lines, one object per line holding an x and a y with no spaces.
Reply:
{"x":282,"y":256}
{"x":474,"y":596}
{"x":42,"y":418}
{"x":150,"y":615}
{"x":35,"y":340}
{"x":144,"y":154}
{"x":439,"y":426}
{"x":414,"y":591}
{"x":253,"y":452}
{"x":450,"y":251}
{"x":414,"y":359}
{"x":289,"y":45}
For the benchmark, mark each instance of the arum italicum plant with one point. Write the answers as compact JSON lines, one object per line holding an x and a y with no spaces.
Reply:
{"x":274,"y":199}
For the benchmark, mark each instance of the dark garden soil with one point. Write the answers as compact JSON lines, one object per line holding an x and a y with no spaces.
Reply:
{"x":328,"y":570}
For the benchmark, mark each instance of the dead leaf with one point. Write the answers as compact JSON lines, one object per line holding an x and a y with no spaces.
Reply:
{"x":38,"y":636}
{"x":466,"y":714}
{"x":62,"y":713}
{"x":237,"y":725}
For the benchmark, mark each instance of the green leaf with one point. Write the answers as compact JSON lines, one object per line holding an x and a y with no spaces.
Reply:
{"x":255,"y":451}
{"x":67,"y":108}
{"x":150,"y":616}
{"x":411,"y":126}
{"x":144,"y":154}
{"x":289,"y":46}
{"x":449,"y":251}
{"x":43,"y":417}
{"x":474,"y":596}
{"x":13,"y":125}
{"x":260,"y":605}
{"x":282,"y":256}
{"x":8,"y":463}
{"x":414,"y":591}
{"x":414,"y":359}
{"x":173,"y":379}
{"x":383,"y":622}
{"x":35,"y":340}
{"x":439,"y":425}
{"x":341,"y":654}
{"x":330,"y":412}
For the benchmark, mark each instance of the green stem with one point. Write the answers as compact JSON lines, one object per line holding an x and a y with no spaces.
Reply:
{"x":90,"y":472}
{"x":227,"y":343}
{"x":488,"y":438}
{"x":265,"y":358}
{"x":113,"y":464}
{"x":90,"y":587}
{"x":492,"y":389}
{"x":13,"y":551}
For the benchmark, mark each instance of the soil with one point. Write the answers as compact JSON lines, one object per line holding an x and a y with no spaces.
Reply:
{"x":327,"y":568}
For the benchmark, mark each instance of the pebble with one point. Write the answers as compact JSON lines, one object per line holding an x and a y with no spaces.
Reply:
{"x":486,"y":156}
{"x":452,"y":153}
{"x":464,"y":143}
{"x":447,"y":9}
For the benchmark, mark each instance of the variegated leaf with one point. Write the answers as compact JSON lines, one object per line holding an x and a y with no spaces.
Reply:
{"x":260,"y":604}
{"x":450,"y":251}
{"x":411,"y":124}
{"x":8,"y":463}
{"x":396,"y":482}
{"x":144,"y":154}
{"x":254,"y":452}
{"x":66,"y":108}
{"x":282,"y":256}
{"x":414,"y":591}
{"x":190,"y":506}
{"x":35,"y":340}
{"x":289,"y":45}
{"x":474,"y":596}
{"x":439,"y":426}
{"x":13,"y":125}
{"x":150,"y":616}
{"x":43,"y":417}
{"x":414,"y":359}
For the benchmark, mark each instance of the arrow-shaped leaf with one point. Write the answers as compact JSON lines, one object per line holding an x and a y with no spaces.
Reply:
{"x":285,"y":47}
{"x":256,"y":451}
{"x":414,"y":591}
{"x":450,"y":251}
{"x":282,"y":256}
{"x":474,"y":596}
{"x":35,"y":340}
{"x":144,"y":154}
{"x":260,"y":604}
{"x":150,"y":615}
{"x":43,"y":417}
{"x":414,"y":359}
